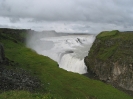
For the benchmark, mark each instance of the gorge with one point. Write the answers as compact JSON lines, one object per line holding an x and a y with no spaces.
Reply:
{"x":68,"y":50}
{"x":108,"y":58}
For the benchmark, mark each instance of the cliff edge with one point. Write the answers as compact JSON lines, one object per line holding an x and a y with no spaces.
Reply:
{"x":111,"y":58}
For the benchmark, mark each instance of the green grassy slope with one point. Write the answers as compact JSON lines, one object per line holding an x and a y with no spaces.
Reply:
{"x":58,"y":83}
{"x":113,"y":45}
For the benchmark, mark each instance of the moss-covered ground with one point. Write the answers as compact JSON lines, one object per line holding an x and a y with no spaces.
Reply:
{"x":57,"y":83}
{"x":113,"y":45}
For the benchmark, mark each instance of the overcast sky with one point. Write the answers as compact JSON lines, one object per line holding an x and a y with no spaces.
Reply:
{"x":92,"y":16}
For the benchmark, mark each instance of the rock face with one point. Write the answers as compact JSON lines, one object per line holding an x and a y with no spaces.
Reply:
{"x":2,"y":54}
{"x":17,"y":79}
{"x":111,"y":58}
{"x":12,"y":78}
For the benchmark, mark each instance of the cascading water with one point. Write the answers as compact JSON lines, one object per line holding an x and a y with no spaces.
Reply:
{"x":71,"y":63}
{"x":69,"y":50}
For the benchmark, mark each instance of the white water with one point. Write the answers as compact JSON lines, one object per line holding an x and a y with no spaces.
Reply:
{"x":71,"y":63}
{"x":69,"y":50}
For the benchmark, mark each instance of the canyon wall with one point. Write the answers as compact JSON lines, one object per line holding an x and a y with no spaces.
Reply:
{"x":111,"y":58}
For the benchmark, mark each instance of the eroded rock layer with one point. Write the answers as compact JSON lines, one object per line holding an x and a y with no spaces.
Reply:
{"x":111,"y":58}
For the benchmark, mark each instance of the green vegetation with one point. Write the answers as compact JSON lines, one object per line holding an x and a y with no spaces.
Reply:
{"x":57,"y":83}
{"x":112,"y":45}
{"x":108,"y":33}
{"x":25,"y":95}
{"x":103,"y":46}
{"x":111,"y":58}
{"x":107,"y":53}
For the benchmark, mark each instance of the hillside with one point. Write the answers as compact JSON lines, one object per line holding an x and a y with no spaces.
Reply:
{"x":55,"y":82}
{"x":111,"y":58}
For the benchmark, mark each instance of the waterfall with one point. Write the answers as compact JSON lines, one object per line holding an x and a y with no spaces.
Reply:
{"x":71,"y":63}
{"x":68,"y":50}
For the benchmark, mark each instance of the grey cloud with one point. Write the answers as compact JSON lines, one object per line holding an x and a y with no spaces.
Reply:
{"x":81,"y":27}
{"x":14,"y":20}
{"x":67,"y":10}
{"x":115,"y":12}
{"x":7,"y":26}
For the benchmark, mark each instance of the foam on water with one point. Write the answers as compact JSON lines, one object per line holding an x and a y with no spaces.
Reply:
{"x":69,"y":50}
{"x":71,"y":63}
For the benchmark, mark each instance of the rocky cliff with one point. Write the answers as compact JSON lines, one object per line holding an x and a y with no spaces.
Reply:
{"x":111,"y":58}
{"x":12,"y":77}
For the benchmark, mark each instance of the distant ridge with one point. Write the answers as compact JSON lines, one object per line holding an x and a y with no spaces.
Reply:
{"x":127,"y":31}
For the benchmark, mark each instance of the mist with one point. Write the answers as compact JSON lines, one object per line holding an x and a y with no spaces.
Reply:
{"x":67,"y":49}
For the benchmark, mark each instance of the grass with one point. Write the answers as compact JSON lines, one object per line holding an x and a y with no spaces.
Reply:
{"x":108,"y":49}
{"x":57,"y":83}
{"x":105,"y":54}
{"x":113,"y":43}
{"x":25,"y":95}
{"x":107,"y":33}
